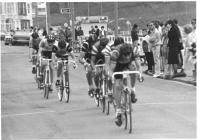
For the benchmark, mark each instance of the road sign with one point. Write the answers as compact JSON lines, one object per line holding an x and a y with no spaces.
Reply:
{"x":65,"y":11}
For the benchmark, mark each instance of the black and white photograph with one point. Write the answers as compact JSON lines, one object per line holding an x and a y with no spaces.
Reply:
{"x":109,"y":69}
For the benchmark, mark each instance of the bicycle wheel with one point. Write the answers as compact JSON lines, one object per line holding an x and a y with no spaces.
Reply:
{"x":38,"y":76}
{"x":46,"y":91}
{"x":129,"y":113}
{"x":61,"y":91}
{"x":46,"y":87}
{"x":103,"y":100}
{"x":67,"y":88}
{"x":67,"y":95}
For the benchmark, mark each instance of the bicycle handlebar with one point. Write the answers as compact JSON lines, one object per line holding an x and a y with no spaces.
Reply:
{"x":69,"y":61}
{"x":46,"y":59}
{"x":125,"y":74}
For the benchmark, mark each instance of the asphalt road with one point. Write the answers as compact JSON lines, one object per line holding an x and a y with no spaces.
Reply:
{"x":165,"y":109}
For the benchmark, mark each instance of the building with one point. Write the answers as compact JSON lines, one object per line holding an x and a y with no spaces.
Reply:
{"x":15,"y":15}
{"x":39,"y":14}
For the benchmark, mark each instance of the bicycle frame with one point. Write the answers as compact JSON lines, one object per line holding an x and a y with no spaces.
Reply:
{"x":101,"y":67}
{"x":64,"y":79}
{"x":47,"y":78}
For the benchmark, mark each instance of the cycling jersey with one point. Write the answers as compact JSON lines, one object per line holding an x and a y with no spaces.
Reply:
{"x":118,"y":55}
{"x":87,"y":48}
{"x":123,"y":63}
{"x":46,"y":49}
{"x":63,"y":49}
{"x":99,"y":52}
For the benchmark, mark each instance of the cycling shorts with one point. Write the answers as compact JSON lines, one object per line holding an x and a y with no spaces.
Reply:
{"x":47,"y":54}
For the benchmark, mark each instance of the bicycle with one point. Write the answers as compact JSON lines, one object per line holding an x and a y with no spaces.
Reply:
{"x":101,"y":92}
{"x":38,"y":73}
{"x":126,"y":96}
{"x":47,"y":78}
{"x":64,"y":82}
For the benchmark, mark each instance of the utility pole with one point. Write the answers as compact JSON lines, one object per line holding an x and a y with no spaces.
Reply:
{"x":48,"y":17}
{"x":73,"y":20}
{"x":116,"y":18}
{"x":36,"y":13}
{"x":101,"y":9}
{"x":88,"y":9}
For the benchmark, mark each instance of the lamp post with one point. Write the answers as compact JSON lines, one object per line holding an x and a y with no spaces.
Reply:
{"x":73,"y":21}
{"x":48,"y":17}
{"x":116,"y":18}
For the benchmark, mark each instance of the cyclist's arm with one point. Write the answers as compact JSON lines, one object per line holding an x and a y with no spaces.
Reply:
{"x":73,"y":56}
{"x":54,"y":50}
{"x":41,"y":45}
{"x":93,"y":58}
{"x":81,"y":57}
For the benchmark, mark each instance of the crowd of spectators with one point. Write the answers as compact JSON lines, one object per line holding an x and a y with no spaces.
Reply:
{"x":168,"y":47}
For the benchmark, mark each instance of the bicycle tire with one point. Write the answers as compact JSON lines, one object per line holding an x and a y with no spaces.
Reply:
{"x":61,"y":90}
{"x":96,"y":100}
{"x":46,"y":91}
{"x":67,"y":88}
{"x":108,"y":106}
{"x":130,"y":114}
{"x":126,"y":108}
{"x":103,"y":100}
{"x":67,"y":95}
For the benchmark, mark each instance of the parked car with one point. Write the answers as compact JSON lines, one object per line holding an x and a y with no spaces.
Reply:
{"x":2,"y":35}
{"x":8,"y":39}
{"x":21,"y":37}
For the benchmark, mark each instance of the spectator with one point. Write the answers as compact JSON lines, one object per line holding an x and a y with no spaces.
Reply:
{"x":190,"y":43}
{"x":155,"y":42}
{"x":148,"y":52}
{"x":92,"y":31}
{"x":173,"y":44}
{"x":102,"y":32}
{"x":181,"y":52}
{"x":80,"y":32}
{"x":164,"y":50}
{"x":44,"y":32}
{"x":134,"y":35}
{"x":97,"y":31}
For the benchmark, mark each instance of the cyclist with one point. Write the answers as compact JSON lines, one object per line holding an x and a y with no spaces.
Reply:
{"x":85,"y":58}
{"x":63,"y":50}
{"x":124,"y":57}
{"x":110,"y":65}
{"x":98,"y":57}
{"x":35,"y":45}
{"x":46,"y":48}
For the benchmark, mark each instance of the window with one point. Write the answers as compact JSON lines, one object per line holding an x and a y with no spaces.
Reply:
{"x":1,"y":8}
{"x":22,"y":8}
{"x":28,"y":8}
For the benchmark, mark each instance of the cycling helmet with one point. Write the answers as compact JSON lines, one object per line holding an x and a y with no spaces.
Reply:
{"x":50,"y":38}
{"x":126,"y":48}
{"x":104,"y":41}
{"x":118,"y":40}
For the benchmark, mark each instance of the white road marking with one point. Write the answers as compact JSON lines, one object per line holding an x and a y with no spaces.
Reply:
{"x":86,"y":108}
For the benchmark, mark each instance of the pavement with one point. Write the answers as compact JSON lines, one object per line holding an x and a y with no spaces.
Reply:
{"x":188,"y":79}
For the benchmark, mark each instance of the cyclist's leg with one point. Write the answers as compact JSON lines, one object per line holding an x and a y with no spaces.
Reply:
{"x":133,"y":79}
{"x":96,"y":78}
{"x":42,"y":68}
{"x":89,"y":78}
{"x":52,"y":73}
{"x":117,"y":99}
{"x":34,"y":60}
